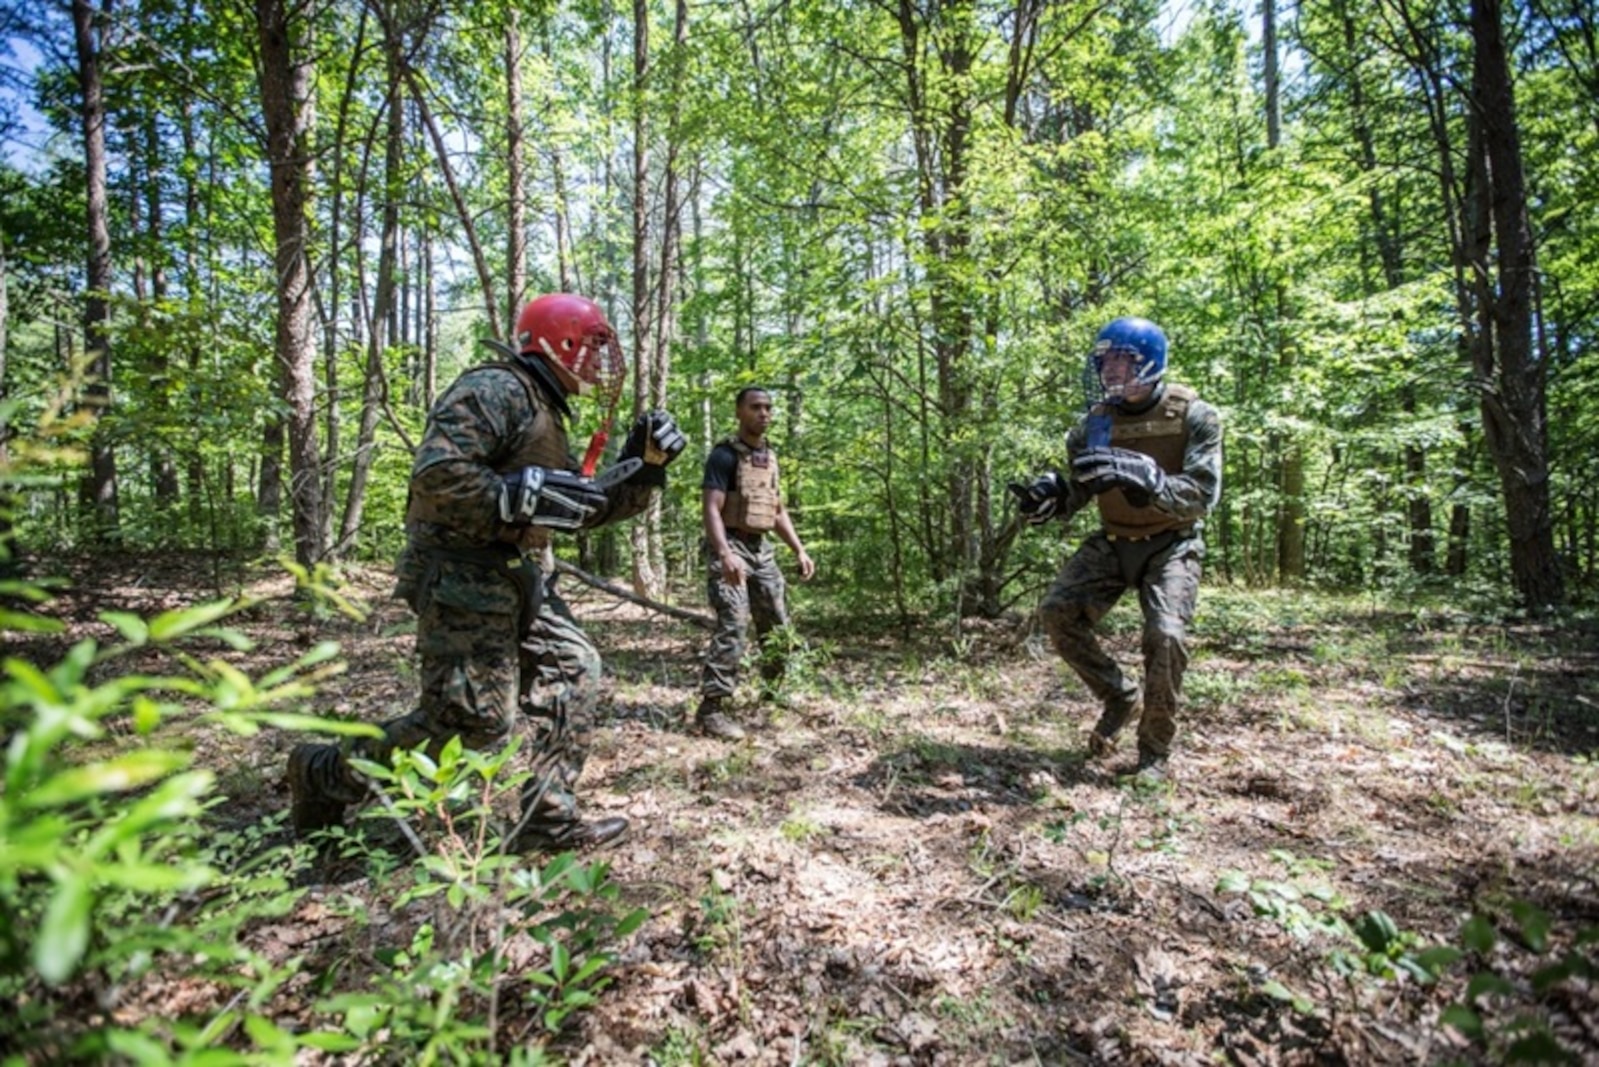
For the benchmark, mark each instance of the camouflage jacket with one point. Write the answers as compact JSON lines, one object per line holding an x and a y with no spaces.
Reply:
{"x":493,"y":420}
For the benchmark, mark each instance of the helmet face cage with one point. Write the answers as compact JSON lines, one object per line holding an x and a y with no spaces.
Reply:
{"x":1139,"y":339}
{"x":572,"y":332}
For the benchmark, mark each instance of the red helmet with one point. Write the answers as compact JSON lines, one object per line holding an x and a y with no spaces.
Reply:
{"x":571,"y":331}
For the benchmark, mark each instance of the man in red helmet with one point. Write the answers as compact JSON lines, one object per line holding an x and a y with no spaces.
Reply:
{"x":1148,"y":454}
{"x":492,"y":479}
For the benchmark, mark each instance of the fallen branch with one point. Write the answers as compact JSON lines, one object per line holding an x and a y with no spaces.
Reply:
{"x":704,"y":622}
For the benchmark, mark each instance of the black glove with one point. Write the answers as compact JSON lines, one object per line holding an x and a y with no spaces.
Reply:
{"x":1039,"y":501}
{"x":540,"y":496}
{"x":1138,"y":476}
{"x":656,"y":440}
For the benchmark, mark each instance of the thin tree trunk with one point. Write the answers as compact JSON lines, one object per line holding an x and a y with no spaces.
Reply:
{"x":380,"y":329}
{"x":563,"y":223}
{"x":99,"y":487}
{"x":164,"y":469}
{"x":194,"y":293}
{"x":286,"y":82}
{"x":7,"y":549}
{"x":463,"y":212}
{"x":666,"y":291}
{"x":1291,"y":465}
{"x":333,"y":402}
{"x":1511,"y":377}
{"x":430,"y":347}
{"x":646,"y":580}
{"x":516,"y":177}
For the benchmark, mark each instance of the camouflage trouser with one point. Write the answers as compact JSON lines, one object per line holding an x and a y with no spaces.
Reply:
{"x":1165,"y":571}
{"x":759,"y":599}
{"x":478,"y":672}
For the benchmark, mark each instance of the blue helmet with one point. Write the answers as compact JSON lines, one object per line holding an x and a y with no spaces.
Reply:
{"x":1141,"y":339}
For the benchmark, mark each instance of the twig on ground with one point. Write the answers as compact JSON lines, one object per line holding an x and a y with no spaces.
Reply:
{"x":704,"y":622}
{"x":399,"y":819}
{"x":1510,"y":691}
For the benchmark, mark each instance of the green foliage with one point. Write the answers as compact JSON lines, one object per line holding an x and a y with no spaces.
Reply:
{"x":109,"y":873}
{"x":1370,"y":948}
{"x":1514,"y":979}
{"x":102,"y":844}
{"x":72,"y":827}
{"x":911,"y":238}
{"x":465,"y":954}
{"x":1504,"y":1009}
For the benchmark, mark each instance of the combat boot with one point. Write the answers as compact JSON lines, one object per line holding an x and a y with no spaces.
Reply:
{"x":712,"y":721}
{"x":1102,"y":739}
{"x":568,"y":835}
{"x":1152,"y":766}
{"x":310,"y":808}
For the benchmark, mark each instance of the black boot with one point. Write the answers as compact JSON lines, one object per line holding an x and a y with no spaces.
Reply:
{"x":712,"y":721}
{"x":1152,"y":766}
{"x":310,"y":807}
{"x":1102,"y":739}
{"x":568,"y":835}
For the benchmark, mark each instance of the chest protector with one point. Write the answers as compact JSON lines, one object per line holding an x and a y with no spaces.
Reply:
{"x":538,"y":440}
{"x":1160,"y":433}
{"x":752,"y":504}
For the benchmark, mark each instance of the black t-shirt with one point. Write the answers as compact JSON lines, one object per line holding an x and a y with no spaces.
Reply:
{"x":721,"y":468}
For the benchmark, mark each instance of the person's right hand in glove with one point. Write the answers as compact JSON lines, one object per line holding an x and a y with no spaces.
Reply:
{"x":1040,"y":500}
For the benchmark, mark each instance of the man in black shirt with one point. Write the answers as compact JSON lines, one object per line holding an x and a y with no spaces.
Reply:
{"x":741,"y":504}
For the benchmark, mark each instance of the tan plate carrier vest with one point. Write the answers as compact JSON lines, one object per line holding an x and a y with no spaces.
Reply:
{"x":753,"y":502}
{"x":1160,"y":433}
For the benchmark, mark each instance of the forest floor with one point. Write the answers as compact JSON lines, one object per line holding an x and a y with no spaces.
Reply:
{"x":910,"y":860}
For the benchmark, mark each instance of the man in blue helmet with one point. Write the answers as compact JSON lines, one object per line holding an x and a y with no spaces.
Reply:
{"x":1149,"y":455}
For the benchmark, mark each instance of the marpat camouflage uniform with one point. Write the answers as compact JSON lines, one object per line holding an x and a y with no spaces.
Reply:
{"x":1156,"y":550}
{"x":493,"y":638}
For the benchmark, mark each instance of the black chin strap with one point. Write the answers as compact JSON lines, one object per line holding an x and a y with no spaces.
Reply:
{"x":1153,"y":399}
{"x":541,"y":372}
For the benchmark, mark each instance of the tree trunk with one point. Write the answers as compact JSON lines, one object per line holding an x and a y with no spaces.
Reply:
{"x":665,"y":330}
{"x":939,"y":106}
{"x":462,"y":210}
{"x":194,"y":292}
{"x":163,"y":466}
{"x":430,"y":344}
{"x":287,"y":105}
{"x":1510,"y":373}
{"x":7,"y":549}
{"x":374,"y":393}
{"x":515,"y":172}
{"x":646,"y":580}
{"x":98,"y":491}
{"x":1291,"y":454}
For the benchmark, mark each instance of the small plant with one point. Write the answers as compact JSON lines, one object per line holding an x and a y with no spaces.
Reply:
{"x":804,"y":663}
{"x":1371,"y":949}
{"x":680,"y":1049}
{"x":1503,"y":1016}
{"x":462,"y":953}
{"x":800,"y":828}
{"x":1024,"y":900}
{"x":101,"y":847}
{"x":732,"y":767}
{"x":1301,"y":907}
{"x":719,"y":920}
